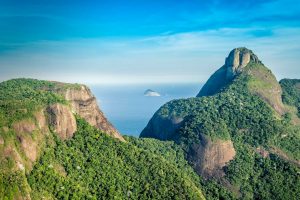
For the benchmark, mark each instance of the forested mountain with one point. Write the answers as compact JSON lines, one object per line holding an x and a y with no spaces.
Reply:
{"x":237,"y":130}
{"x":238,"y":139}
{"x":55,"y":143}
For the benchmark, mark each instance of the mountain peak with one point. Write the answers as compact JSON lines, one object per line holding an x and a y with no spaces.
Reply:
{"x":237,"y":60}
{"x":235,"y":63}
{"x":261,"y":81}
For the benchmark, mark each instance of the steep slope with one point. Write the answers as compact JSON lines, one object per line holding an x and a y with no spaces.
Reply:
{"x":262,"y":83}
{"x":235,"y":134}
{"x":92,"y":165}
{"x":55,"y":143}
{"x":84,"y":103}
{"x":235,"y":64}
{"x":30,"y":110}
{"x":291,"y":93}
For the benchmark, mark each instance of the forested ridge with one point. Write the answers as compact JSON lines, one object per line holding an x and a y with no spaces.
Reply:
{"x":93,"y":165}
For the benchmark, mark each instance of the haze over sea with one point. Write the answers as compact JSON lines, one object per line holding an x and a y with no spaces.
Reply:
{"x":129,"y":110}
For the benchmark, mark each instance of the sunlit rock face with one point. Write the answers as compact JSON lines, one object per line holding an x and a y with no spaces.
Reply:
{"x":209,"y":157}
{"x":62,"y":120}
{"x":237,"y":60}
{"x":84,"y":103}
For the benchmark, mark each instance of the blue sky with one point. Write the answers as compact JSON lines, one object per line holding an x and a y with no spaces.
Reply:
{"x":141,"y":41}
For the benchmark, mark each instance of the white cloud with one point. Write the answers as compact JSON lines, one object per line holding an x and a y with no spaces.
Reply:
{"x":185,"y":57}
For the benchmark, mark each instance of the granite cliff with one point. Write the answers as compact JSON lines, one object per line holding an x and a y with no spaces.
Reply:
{"x":84,"y":103}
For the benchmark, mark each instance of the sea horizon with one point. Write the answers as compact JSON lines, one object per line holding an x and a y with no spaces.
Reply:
{"x":129,"y":111}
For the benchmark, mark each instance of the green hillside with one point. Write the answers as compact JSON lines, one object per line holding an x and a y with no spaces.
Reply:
{"x":239,"y":139}
{"x":91,"y":165}
{"x":291,"y":93}
{"x":94,"y":166}
{"x":244,"y":111}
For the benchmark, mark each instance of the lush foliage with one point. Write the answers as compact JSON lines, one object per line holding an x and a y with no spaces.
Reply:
{"x":93,"y":165}
{"x":236,"y":114}
{"x":19,"y":98}
{"x":174,"y":154}
{"x":255,"y":177}
{"x":291,"y":92}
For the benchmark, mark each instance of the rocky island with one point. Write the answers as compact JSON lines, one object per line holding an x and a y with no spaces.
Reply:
{"x":151,"y":93}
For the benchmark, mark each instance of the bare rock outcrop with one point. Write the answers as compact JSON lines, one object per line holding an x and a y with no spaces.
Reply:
{"x":209,"y":157}
{"x":62,"y":120}
{"x":1,"y":141}
{"x":85,"y":105}
{"x":237,"y":60}
{"x":29,"y":147}
{"x":41,"y":120}
{"x":24,"y":126}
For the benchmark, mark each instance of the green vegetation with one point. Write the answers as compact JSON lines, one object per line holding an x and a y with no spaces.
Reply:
{"x":93,"y":165}
{"x":256,"y":177}
{"x":251,"y":123}
{"x":175,"y":155}
{"x":291,"y":93}
{"x":19,"y":98}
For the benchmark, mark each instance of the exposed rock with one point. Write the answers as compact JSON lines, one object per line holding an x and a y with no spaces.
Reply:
{"x":237,"y":60}
{"x":284,"y":156}
{"x":85,"y":105}
{"x":41,"y":120}
{"x":10,"y":152}
{"x":20,"y":166}
{"x":263,"y":83}
{"x":29,"y":147}
{"x":62,"y":120}
{"x":269,"y":89}
{"x":1,"y":141}
{"x":209,"y":157}
{"x":24,"y":126}
{"x":235,"y":63}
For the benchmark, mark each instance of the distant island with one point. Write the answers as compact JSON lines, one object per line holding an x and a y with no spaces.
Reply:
{"x":151,"y":93}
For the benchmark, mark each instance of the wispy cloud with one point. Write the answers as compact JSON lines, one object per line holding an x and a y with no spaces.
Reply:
{"x":182,"y":57}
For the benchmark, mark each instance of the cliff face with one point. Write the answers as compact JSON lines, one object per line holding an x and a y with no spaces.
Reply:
{"x":84,"y":104}
{"x":62,"y":120}
{"x":209,"y":157}
{"x":30,"y":131}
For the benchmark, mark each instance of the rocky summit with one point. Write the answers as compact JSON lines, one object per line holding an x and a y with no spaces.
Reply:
{"x":235,"y":64}
{"x":243,"y":61}
{"x":237,"y":60}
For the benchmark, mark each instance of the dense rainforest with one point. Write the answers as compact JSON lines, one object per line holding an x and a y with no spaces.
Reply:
{"x":239,"y":140}
{"x":244,"y":133}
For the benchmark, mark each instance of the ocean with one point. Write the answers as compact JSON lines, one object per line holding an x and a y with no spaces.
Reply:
{"x":129,"y":110}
